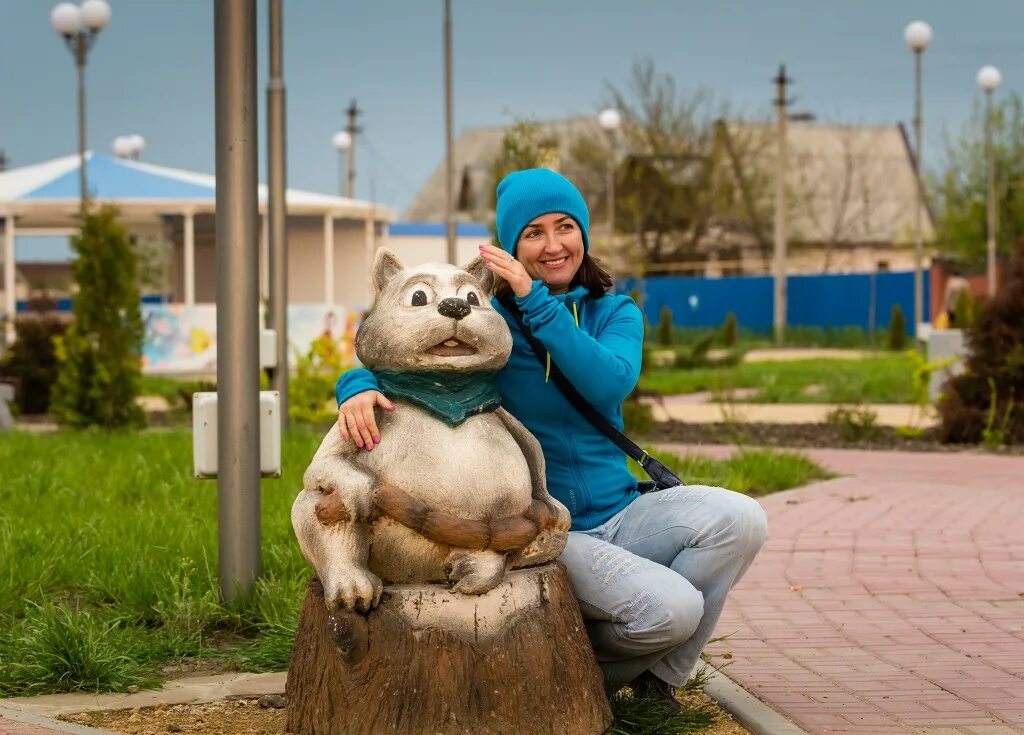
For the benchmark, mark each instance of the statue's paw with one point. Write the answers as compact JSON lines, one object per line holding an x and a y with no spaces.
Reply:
{"x":548,"y":546}
{"x":353,"y":589}
{"x":560,"y":517}
{"x":474,"y":572}
{"x":351,"y":635}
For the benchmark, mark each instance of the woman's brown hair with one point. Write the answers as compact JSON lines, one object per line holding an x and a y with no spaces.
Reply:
{"x":590,"y":274}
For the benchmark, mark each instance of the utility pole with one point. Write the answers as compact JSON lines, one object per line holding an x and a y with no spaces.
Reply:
{"x":277,"y":209}
{"x":238,"y":384}
{"x":779,"y":265}
{"x":353,"y":112}
{"x":449,"y":175}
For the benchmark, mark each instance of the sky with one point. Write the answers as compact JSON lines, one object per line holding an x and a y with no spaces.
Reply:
{"x":151,"y":71}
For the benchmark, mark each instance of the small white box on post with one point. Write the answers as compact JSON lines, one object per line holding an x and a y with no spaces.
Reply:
{"x":204,"y":434}
{"x":268,"y":349}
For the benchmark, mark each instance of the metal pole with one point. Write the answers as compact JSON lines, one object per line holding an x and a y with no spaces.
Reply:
{"x":611,"y":191}
{"x":81,"y":49}
{"x":991,"y":165}
{"x":449,"y":173}
{"x":238,"y":453}
{"x":353,"y":130}
{"x":277,"y":209}
{"x":780,"y":268}
{"x":918,"y":235}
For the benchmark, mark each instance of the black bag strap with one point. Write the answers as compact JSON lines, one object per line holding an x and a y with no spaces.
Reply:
{"x":662,"y":476}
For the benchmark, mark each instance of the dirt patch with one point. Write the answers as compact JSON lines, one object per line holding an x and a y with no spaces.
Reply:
{"x":809,"y":435}
{"x":246,"y":717}
{"x":224,"y":717}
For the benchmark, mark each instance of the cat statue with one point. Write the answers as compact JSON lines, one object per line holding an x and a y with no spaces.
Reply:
{"x":455,"y":493}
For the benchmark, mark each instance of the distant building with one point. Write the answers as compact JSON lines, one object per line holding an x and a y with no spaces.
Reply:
{"x":850,"y":195}
{"x":331,"y":240}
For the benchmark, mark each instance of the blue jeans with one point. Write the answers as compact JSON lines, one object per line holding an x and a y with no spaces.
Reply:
{"x":652,"y":580}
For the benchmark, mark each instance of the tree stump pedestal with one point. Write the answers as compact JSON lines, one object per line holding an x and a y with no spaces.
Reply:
{"x":427,"y":661}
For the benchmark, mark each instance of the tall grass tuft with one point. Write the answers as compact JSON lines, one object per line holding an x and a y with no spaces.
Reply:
{"x":59,"y":649}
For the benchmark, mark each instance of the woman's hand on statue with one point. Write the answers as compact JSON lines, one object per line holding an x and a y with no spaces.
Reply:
{"x":357,"y":420}
{"x":504,"y":265}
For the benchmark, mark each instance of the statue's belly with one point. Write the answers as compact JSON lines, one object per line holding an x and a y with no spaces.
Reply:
{"x":475,"y":470}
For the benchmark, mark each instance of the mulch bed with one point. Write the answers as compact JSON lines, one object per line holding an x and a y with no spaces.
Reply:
{"x":809,"y":435}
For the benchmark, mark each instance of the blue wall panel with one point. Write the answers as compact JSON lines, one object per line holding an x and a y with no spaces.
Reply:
{"x":830,"y":300}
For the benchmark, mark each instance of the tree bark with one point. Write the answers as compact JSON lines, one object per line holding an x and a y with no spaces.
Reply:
{"x":427,"y":661}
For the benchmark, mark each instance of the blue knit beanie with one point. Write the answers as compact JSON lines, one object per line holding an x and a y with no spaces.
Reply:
{"x":525,"y":195}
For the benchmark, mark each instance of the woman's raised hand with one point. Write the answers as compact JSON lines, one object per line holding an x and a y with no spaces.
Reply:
{"x":356,"y":418}
{"x":508,"y":268}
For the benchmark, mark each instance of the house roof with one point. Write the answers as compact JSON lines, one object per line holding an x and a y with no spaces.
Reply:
{"x":133,"y":182}
{"x":847,"y":183}
{"x":474,"y":151}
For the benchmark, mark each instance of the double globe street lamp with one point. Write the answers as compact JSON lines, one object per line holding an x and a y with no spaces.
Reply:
{"x":128,"y":146}
{"x":79,"y":25}
{"x":342,"y":142}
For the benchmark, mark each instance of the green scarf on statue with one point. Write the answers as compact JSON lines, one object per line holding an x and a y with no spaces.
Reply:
{"x":449,"y":397}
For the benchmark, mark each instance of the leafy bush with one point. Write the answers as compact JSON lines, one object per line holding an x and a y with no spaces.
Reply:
{"x":100,"y":354}
{"x":665,"y":327}
{"x":311,"y":388}
{"x":897,"y":329}
{"x":856,"y":423}
{"x":730,"y":330}
{"x":32,"y":362}
{"x":965,"y":310}
{"x":985,"y":398}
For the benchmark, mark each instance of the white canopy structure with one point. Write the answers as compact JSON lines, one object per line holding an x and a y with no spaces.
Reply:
{"x":179,"y":205}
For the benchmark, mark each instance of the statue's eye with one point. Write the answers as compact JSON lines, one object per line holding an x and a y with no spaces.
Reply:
{"x":418,"y":294}
{"x":471,"y":294}
{"x":472,"y":299}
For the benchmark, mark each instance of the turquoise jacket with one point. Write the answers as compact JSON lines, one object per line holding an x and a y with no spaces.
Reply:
{"x":601,"y":357}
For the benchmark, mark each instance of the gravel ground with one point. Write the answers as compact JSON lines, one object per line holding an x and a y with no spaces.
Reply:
{"x":247,"y":717}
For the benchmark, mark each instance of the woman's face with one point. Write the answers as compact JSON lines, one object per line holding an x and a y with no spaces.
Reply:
{"x":551,"y":250}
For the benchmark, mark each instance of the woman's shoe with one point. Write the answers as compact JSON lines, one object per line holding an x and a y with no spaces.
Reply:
{"x":648,"y":686}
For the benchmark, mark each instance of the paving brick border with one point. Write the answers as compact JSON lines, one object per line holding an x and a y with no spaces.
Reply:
{"x":888,"y":600}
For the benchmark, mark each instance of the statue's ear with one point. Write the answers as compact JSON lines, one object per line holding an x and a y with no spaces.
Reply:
{"x":386,"y":266}
{"x":477,"y":268}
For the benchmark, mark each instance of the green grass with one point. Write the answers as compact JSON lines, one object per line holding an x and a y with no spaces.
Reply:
{"x":109,"y":550}
{"x":883,"y":378}
{"x":751,"y":471}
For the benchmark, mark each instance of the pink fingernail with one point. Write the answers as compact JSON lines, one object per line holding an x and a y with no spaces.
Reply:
{"x":369,"y":447}
{"x":376,"y":440}
{"x":359,"y":443}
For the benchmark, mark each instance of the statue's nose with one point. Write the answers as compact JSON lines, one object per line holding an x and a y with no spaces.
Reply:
{"x":454,"y":308}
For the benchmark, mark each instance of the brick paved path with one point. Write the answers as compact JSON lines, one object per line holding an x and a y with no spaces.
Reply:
{"x":890,"y":600}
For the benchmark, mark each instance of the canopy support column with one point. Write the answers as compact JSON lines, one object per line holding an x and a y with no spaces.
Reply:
{"x":328,"y":259}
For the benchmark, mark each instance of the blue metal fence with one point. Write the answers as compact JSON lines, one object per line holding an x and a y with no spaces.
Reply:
{"x":862,"y":300}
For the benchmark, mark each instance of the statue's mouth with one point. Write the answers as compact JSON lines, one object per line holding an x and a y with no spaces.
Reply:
{"x":452,"y":348}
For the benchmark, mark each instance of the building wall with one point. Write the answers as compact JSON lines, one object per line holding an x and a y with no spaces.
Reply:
{"x":306,"y":282}
{"x":862,"y":300}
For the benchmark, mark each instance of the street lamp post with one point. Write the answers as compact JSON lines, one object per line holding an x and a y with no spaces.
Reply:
{"x":918,"y":36}
{"x":989,"y":79}
{"x":79,"y":25}
{"x":342,"y":141}
{"x":128,"y":146}
{"x":611,"y":120}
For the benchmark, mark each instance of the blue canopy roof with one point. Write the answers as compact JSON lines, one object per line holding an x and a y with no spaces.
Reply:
{"x":114,"y":178}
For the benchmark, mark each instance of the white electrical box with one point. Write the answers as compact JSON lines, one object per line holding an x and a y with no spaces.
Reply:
{"x":204,"y":434}
{"x":268,"y":348}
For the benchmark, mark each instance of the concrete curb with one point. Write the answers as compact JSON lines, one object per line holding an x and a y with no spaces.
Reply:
{"x":26,"y":718}
{"x":191,"y":690}
{"x":747,"y":709}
